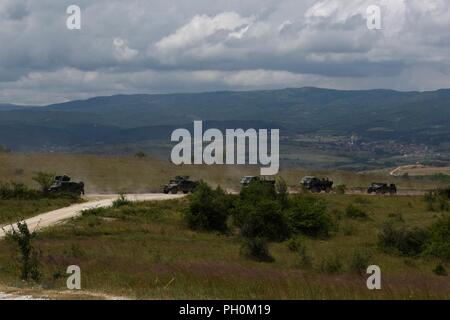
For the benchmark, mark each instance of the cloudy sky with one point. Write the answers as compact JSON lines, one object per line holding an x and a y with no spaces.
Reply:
{"x":154,"y":46}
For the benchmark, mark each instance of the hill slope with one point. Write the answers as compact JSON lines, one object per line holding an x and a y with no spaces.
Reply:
{"x":413,"y":120}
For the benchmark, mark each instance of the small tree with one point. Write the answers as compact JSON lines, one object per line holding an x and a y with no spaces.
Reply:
{"x":44,"y":179}
{"x":29,"y":256}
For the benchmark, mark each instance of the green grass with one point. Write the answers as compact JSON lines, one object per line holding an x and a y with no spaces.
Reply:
{"x":145,"y":250}
{"x":14,"y":210}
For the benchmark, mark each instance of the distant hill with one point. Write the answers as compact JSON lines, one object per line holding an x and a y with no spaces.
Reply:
{"x":372,"y":115}
{"x":7,"y":107}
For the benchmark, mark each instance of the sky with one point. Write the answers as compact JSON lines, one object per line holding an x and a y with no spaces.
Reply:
{"x":156,"y":46}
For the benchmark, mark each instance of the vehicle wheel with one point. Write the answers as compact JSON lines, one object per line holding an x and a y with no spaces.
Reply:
{"x":185,"y":191}
{"x":328,"y":190}
{"x":174,"y":191}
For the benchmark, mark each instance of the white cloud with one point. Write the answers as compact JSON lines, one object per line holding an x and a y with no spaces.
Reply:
{"x":161,"y":46}
{"x":204,"y":33}
{"x":122,"y":52}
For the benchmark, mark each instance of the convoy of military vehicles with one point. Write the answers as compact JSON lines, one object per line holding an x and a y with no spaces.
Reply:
{"x":64,"y":184}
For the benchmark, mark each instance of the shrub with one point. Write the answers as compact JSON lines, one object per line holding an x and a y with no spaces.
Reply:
{"x":359,"y":262}
{"x":14,"y":190}
{"x":440,"y":270}
{"x":140,"y":155}
{"x":408,"y":242}
{"x":256,"y":249}
{"x":29,"y":256}
{"x":258,"y":191}
{"x":437,"y":200}
{"x":208,"y":209}
{"x":44,"y":180}
{"x":444,"y":192}
{"x":264,"y":219}
{"x":308,"y":215}
{"x":297,"y":245}
{"x":354,"y":212}
{"x":439,"y":240}
{"x":121,"y":201}
{"x":294,"y":244}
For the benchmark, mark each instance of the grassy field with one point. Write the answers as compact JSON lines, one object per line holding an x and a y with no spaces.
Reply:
{"x":12,"y":210}
{"x":145,"y":250}
{"x":130,"y":174}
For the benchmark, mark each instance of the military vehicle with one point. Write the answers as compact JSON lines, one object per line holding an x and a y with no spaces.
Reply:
{"x":316,"y":185}
{"x":382,"y":188}
{"x":247,"y":180}
{"x":63,"y":184}
{"x":180,"y":183}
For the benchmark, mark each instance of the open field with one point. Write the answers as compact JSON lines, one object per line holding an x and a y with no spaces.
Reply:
{"x":111,"y":174}
{"x":145,"y":250}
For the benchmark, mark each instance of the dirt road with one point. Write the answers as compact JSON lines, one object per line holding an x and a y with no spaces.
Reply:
{"x":93,"y":201}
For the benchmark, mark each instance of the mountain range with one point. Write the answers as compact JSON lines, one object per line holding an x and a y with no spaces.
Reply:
{"x":122,"y":123}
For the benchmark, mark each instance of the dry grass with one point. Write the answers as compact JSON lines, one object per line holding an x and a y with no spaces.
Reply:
{"x":128,"y":174}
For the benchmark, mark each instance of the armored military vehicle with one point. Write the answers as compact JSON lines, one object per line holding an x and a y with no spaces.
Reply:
{"x":316,"y":185}
{"x":64,"y":184}
{"x":180,"y":183}
{"x":382,"y":188}
{"x":247,"y":180}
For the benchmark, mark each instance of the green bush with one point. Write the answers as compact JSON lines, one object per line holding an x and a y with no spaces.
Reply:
{"x":440,"y":270}
{"x":258,"y":191}
{"x":408,"y":242}
{"x":439,"y":240}
{"x":208,"y":209}
{"x":437,"y":200}
{"x":256,"y":249}
{"x":264,"y":219}
{"x":121,"y":201}
{"x":297,"y":245}
{"x":354,"y":212}
{"x":309,"y":216}
{"x":18,"y":191}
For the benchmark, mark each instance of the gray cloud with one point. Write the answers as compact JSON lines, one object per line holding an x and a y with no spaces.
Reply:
{"x":167,"y":46}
